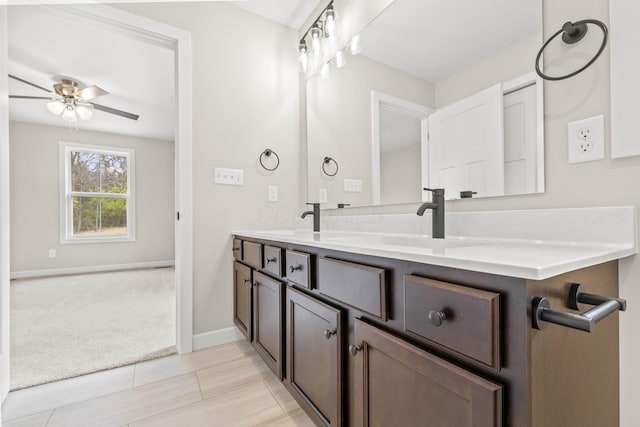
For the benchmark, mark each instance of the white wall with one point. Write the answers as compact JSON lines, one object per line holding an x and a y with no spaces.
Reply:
{"x":35,"y":202}
{"x":606,"y":182}
{"x":339,"y":123}
{"x":245,"y":99}
{"x":515,"y":61}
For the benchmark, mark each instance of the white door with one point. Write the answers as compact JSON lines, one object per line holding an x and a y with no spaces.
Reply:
{"x":520,"y":126}
{"x":4,"y":210}
{"x":466,"y":150}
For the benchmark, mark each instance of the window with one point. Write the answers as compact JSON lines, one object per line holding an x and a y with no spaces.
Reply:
{"x":97,"y":202}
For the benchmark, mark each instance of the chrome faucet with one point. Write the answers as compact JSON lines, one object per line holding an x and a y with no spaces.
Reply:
{"x":316,"y":215}
{"x":437,"y":217}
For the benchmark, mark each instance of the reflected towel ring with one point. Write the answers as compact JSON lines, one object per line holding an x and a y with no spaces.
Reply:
{"x":573,"y":32}
{"x":325,"y":162}
{"x":267,"y":153}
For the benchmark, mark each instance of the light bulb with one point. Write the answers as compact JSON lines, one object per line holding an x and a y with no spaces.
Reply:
{"x":354,"y":47}
{"x":55,"y":107}
{"x":341,"y":59}
{"x":325,"y":71}
{"x":330,"y":22}
{"x":84,"y":112}
{"x":69,"y":114}
{"x":316,"y":44}
{"x":303,"y":57}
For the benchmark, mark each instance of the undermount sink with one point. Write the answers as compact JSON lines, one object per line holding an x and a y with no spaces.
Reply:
{"x":424,"y":242}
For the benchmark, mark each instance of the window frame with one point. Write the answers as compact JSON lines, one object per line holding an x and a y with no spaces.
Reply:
{"x":66,"y":193}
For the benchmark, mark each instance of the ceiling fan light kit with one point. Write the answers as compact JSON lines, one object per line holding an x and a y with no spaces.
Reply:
{"x":69,"y":102}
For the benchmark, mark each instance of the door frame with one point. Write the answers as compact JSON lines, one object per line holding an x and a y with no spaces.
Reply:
{"x":163,"y":35}
{"x":4,"y":210}
{"x":379,"y":99}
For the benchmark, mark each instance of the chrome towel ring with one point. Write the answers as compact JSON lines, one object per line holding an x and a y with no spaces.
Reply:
{"x":573,"y":32}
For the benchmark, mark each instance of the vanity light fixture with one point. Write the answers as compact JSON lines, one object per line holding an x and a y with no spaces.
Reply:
{"x":324,"y":27}
{"x":355,"y":45}
{"x":341,"y":59}
{"x":303,"y":56}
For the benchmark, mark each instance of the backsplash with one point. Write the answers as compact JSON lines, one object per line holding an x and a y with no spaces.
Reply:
{"x":613,"y":225}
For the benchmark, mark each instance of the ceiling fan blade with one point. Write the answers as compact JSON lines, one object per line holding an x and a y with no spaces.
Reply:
{"x":30,"y":84}
{"x":113,"y":111}
{"x":48,"y":98}
{"x":91,"y":92}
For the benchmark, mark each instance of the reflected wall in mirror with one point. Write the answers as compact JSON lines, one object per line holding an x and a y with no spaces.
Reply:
{"x":442,"y":95}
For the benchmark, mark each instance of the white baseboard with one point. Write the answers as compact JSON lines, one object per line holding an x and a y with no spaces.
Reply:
{"x":213,"y":338}
{"x":90,"y":269}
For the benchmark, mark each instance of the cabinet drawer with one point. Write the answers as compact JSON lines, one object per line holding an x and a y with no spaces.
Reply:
{"x":470,"y":324}
{"x":252,"y":254}
{"x":272,"y":260}
{"x":237,"y":249}
{"x":357,"y":285}
{"x":298,"y":268}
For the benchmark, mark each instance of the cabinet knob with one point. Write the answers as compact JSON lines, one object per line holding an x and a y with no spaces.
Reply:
{"x":295,"y":268}
{"x":270,"y":260}
{"x":354,"y":349}
{"x":437,"y":318}
{"x":328,"y":333}
{"x":247,"y":282}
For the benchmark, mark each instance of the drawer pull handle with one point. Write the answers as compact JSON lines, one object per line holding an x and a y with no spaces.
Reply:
{"x":354,"y":349}
{"x":604,"y":306}
{"x":270,"y":260}
{"x":236,"y":249}
{"x":437,"y":318}
{"x":328,"y":333}
{"x":295,"y":267}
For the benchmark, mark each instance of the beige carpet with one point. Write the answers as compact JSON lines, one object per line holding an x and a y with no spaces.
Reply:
{"x":67,"y":326}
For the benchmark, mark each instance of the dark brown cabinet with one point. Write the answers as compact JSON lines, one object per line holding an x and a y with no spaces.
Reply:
{"x":242,"y":298}
{"x":372,"y":341}
{"x":398,"y":384}
{"x":314,"y":356}
{"x":268,"y":316}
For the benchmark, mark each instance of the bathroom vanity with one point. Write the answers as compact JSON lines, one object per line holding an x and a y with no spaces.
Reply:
{"x":398,"y":329}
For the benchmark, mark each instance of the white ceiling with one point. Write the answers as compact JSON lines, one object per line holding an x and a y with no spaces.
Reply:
{"x":45,"y":45}
{"x":434,"y":38}
{"x":292,"y":13}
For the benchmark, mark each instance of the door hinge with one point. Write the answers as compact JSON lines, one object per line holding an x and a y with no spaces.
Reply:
{"x":178,"y":216}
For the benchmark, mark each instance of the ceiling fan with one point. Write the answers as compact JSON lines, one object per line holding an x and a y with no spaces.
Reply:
{"x":68,"y":101}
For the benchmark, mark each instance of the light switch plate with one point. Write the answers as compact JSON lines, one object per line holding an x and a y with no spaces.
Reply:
{"x":322,"y":195}
{"x":228,"y":176}
{"x":353,"y":185}
{"x":586,"y":140}
{"x":273,"y":193}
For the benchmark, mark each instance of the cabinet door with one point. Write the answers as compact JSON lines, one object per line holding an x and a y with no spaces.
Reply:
{"x":242,"y":298}
{"x":267,"y":320}
{"x":313,"y":355}
{"x":398,"y":384}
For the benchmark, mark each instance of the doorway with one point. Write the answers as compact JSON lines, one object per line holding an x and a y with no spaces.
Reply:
{"x":177,"y":41}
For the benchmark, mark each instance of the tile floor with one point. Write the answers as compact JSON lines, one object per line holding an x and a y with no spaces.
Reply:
{"x":226,"y":385}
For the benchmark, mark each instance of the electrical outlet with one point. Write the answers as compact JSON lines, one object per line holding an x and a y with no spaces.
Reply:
{"x":273,"y":193}
{"x":228,"y":176}
{"x":322,"y":195}
{"x":353,"y":185}
{"x":52,"y":253}
{"x":586,"y":140}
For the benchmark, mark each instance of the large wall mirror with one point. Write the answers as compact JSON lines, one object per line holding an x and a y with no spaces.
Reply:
{"x":443,"y":95}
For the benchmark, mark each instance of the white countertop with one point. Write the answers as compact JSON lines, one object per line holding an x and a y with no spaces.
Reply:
{"x":527,"y":259}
